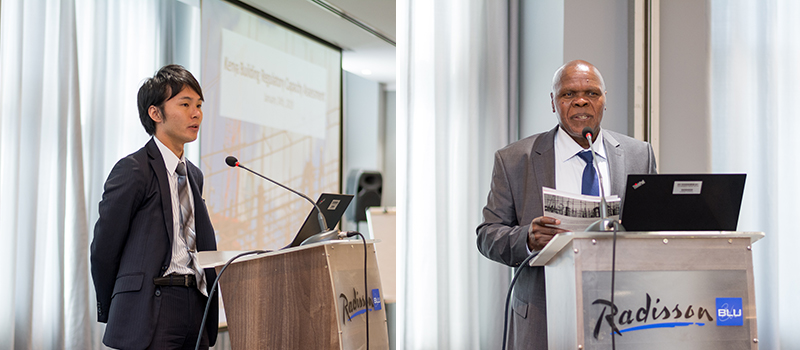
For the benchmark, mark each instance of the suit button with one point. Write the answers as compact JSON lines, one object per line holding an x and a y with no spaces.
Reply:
{"x":158,"y":292}
{"x":164,"y":268}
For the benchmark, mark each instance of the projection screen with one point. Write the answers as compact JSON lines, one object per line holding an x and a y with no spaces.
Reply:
{"x":273,"y":100}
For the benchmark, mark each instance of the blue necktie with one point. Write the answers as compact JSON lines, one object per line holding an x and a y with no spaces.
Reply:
{"x":590,"y":184}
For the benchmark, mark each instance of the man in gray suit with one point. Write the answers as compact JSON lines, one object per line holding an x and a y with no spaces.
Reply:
{"x":514,"y":224}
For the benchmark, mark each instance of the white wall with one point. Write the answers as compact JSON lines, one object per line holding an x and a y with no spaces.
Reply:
{"x":685,"y":127}
{"x":554,"y":32}
{"x":361,"y":124}
{"x":390,"y":149}
{"x":369,"y":132}
{"x":541,"y":51}
{"x":597,"y":31}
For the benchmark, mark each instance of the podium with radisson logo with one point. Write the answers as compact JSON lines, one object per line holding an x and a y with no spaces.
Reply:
{"x":306,"y":297}
{"x":673,"y":290}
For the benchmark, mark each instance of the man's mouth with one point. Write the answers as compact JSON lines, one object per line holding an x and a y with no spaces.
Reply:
{"x":581,"y":116}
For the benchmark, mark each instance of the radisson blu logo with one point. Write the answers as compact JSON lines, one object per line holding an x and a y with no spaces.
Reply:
{"x":654,"y":314}
{"x":729,"y":312}
{"x":359,"y":304}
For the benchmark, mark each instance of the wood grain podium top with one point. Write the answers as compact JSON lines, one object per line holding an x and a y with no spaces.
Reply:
{"x":210,"y":259}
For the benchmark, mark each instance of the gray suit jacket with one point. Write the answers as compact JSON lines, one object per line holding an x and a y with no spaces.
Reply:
{"x":521,"y":169}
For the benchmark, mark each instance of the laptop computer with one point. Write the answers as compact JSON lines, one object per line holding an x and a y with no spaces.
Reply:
{"x":332,"y":205}
{"x":682,"y":202}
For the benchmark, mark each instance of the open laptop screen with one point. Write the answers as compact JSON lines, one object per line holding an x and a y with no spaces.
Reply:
{"x":682,"y":202}
{"x":332,"y":206}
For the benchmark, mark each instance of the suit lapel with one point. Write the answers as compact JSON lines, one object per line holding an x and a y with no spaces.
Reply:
{"x":616,"y":163}
{"x":157,"y":165}
{"x":543,"y":159}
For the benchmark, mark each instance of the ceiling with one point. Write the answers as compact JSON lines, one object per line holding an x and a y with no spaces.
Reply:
{"x":362,"y":52}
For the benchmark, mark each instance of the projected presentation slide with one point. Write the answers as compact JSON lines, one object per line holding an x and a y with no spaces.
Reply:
{"x":273,"y":100}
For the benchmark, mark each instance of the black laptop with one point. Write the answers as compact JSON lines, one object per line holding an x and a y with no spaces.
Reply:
{"x":332,"y":205}
{"x":682,"y":202}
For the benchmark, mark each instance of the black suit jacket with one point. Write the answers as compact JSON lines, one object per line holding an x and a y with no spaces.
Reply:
{"x":132,"y":245}
{"x":521,"y":169}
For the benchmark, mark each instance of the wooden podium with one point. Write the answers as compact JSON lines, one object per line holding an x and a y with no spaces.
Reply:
{"x":309,"y":297}
{"x":673,"y":290}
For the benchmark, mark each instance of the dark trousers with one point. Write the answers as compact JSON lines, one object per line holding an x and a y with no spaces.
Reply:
{"x":179,"y":319}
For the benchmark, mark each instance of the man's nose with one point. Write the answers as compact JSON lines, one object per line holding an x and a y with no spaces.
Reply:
{"x":580,"y":101}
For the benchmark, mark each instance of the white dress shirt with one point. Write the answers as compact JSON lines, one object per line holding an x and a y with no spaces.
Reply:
{"x":569,"y":166}
{"x":181,"y":263}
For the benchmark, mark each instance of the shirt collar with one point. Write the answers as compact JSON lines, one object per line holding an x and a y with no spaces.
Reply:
{"x":566,"y":147}
{"x":170,"y":159}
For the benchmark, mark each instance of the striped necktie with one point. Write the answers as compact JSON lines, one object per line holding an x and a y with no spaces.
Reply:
{"x":187,"y":218}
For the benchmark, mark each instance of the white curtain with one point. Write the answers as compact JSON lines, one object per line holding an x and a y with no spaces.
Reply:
{"x":453,"y":113}
{"x":70,"y":70}
{"x":43,"y":220}
{"x":754,"y":65}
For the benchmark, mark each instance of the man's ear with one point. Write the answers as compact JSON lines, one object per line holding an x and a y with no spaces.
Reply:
{"x":552,"y":102}
{"x":155,"y":114}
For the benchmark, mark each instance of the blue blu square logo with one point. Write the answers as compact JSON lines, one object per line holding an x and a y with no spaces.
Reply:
{"x":730,"y":312}
{"x":376,"y":299}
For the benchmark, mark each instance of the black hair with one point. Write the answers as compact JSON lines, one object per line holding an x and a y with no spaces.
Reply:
{"x":168,"y":82}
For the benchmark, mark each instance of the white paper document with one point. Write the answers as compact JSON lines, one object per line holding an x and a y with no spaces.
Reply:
{"x":577,"y":211}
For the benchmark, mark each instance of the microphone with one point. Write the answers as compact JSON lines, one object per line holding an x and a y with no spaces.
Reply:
{"x":604,"y":224}
{"x":326,"y":233}
{"x":232,"y":161}
{"x":587,"y":133}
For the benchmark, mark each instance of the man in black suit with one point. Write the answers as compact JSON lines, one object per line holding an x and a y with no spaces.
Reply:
{"x":150,"y":289}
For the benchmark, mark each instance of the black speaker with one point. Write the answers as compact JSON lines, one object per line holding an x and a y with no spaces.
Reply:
{"x":366,"y":186}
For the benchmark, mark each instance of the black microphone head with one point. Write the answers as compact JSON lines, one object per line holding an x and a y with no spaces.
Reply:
{"x":588,"y":132}
{"x":231,"y":161}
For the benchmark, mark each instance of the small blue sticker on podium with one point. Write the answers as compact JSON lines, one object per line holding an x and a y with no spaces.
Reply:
{"x":729,"y":312}
{"x":376,"y":299}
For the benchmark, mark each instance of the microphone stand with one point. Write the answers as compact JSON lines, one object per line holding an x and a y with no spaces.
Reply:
{"x":326,"y":234}
{"x":605,"y":225}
